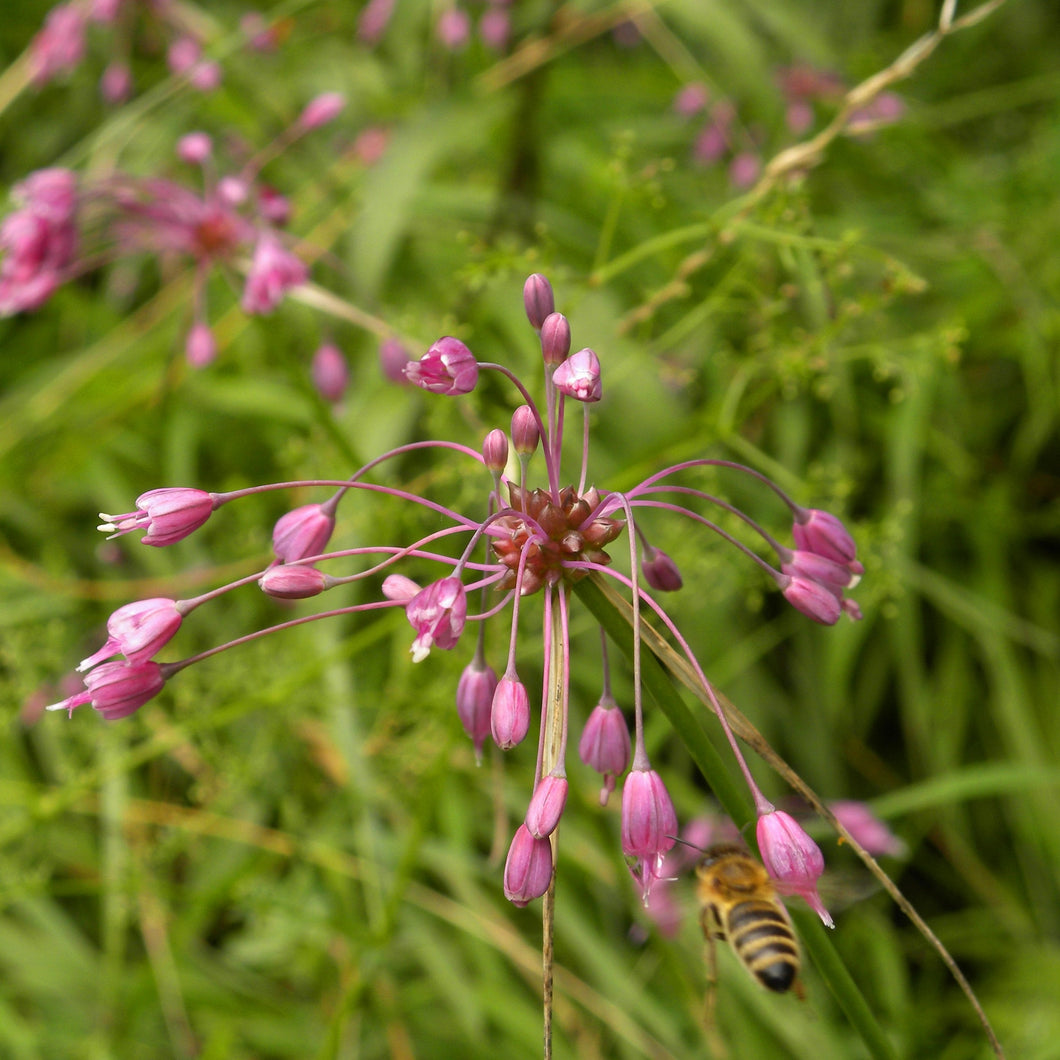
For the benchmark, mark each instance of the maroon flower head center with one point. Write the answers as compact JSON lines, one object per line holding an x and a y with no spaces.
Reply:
{"x":215,"y":235}
{"x":553,"y":536}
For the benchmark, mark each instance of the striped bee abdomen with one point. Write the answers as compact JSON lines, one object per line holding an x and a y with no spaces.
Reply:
{"x":762,"y":937}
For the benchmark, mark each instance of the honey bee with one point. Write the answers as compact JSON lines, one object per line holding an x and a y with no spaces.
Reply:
{"x":739,"y":902}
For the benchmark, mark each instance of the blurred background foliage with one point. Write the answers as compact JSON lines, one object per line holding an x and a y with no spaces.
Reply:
{"x":291,"y":852}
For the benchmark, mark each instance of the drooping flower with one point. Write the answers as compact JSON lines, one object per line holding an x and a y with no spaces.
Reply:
{"x":303,"y":532}
{"x":510,"y":713}
{"x":138,"y":631}
{"x":474,"y":701}
{"x":528,"y":867}
{"x":605,"y":744}
{"x":792,"y":859}
{"x":546,"y":805}
{"x":117,"y":689}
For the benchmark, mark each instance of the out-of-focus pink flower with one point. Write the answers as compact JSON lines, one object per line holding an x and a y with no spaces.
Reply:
{"x":744,"y":169}
{"x":273,"y":272}
{"x":115,"y":85}
{"x":373,"y":20}
{"x":321,"y":110}
{"x":38,"y":240}
{"x":453,"y":28}
{"x":867,"y":828}
{"x":200,"y":347}
{"x":330,"y":372}
{"x":494,"y":28}
{"x":194,"y":148}
{"x":691,"y":99}
{"x":59,"y":45}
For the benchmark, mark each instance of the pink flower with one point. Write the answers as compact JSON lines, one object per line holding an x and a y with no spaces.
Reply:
{"x":60,"y":44}
{"x":138,"y":631}
{"x":528,"y":868}
{"x":373,"y":19}
{"x":448,"y":367}
{"x":453,"y":29}
{"x":649,"y":822}
{"x":821,"y":532}
{"x":792,"y":859}
{"x":813,"y":599}
{"x":115,"y":86}
{"x":437,"y":613}
{"x":273,"y":272}
{"x":691,"y":99}
{"x":116,"y":689}
{"x":393,"y":359}
{"x":579,"y":376}
{"x":168,"y":515}
{"x":38,"y":240}
{"x":303,"y":532}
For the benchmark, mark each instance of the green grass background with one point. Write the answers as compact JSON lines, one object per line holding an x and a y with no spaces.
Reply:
{"x":291,"y":852}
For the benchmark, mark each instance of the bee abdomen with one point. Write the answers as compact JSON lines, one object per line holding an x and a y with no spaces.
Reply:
{"x":763,"y":939}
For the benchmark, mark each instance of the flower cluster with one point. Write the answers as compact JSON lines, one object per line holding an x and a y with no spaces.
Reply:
{"x":527,"y":541}
{"x":64,"y":225}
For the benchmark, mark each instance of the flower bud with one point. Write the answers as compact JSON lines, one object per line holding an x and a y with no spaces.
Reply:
{"x":302,"y":532}
{"x":400,"y":589}
{"x":821,"y":532}
{"x":660,"y":572}
{"x":555,"y":339}
{"x":528,"y":868}
{"x":525,"y":433}
{"x":495,"y":451}
{"x":510,"y":713}
{"x":294,"y":581}
{"x":546,"y":806}
{"x":538,"y":299}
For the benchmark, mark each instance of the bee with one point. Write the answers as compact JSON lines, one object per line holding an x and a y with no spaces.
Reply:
{"x":739,"y":902}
